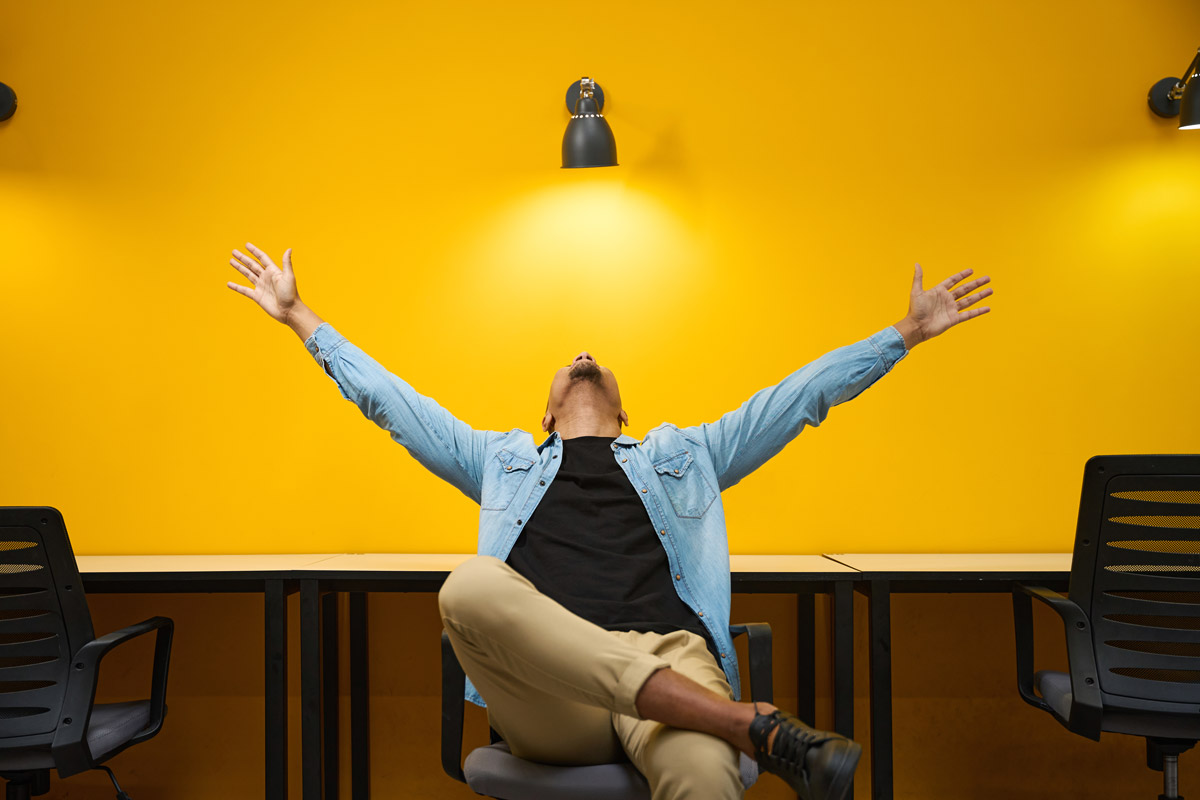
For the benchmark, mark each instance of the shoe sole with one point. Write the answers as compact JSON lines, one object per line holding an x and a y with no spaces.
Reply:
{"x":848,"y":763}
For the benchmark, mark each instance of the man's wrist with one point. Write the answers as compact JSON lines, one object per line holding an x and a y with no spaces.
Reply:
{"x":302,"y":319}
{"x":910,"y":331}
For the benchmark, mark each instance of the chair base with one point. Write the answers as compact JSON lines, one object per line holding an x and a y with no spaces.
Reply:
{"x":23,"y":785}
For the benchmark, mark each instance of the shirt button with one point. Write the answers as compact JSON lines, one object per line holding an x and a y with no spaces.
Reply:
{"x":700,"y":614}
{"x":506,"y":469}
{"x":663,"y":532}
{"x":623,"y":460}
{"x":678,"y":577}
{"x":554,"y":456}
{"x":645,"y":490}
{"x":541,"y":483}
{"x":723,"y":655}
{"x":518,"y":522}
{"x":676,"y":472}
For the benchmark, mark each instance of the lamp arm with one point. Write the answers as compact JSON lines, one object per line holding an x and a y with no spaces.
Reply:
{"x":1177,"y":92}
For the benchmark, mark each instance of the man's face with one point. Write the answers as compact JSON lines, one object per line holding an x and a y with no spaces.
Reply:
{"x":583,"y":382}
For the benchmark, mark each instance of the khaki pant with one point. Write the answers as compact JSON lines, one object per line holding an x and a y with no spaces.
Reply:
{"x":561,"y":690}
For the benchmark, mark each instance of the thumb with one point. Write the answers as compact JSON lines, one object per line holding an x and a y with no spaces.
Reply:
{"x":916,"y":287}
{"x":287,"y":261}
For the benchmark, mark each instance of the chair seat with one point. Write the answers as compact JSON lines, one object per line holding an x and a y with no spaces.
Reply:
{"x":111,"y":725}
{"x":1055,"y":689}
{"x":494,"y":771}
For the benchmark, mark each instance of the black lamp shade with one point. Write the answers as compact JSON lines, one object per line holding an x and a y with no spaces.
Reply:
{"x":1189,"y":106}
{"x":588,"y":142}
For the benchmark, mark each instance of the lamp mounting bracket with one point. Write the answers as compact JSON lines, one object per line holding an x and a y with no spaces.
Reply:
{"x":573,"y":96}
{"x":1164,"y":99}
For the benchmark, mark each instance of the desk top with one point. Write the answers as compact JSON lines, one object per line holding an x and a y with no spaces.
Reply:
{"x":955,"y":562}
{"x":425,"y":571}
{"x":384,"y":562}
{"x":959,"y":572}
{"x":274,"y":562}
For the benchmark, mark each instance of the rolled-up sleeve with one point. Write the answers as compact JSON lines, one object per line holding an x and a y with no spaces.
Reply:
{"x":442,"y":443}
{"x":744,"y":439}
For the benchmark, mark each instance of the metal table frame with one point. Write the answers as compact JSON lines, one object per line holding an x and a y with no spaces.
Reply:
{"x":932,"y":573}
{"x":321,"y":578}
{"x":273,"y":576}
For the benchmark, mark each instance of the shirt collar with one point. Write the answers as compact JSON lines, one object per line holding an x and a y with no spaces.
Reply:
{"x":623,"y":440}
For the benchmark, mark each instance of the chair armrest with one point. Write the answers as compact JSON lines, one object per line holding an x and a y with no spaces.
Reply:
{"x":70,"y":748}
{"x":453,"y":687}
{"x":1086,"y":705}
{"x":758,"y":639}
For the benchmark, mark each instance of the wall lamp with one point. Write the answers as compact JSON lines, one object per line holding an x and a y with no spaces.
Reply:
{"x":588,"y":141}
{"x":1179,"y":97}
{"x":8,"y":102}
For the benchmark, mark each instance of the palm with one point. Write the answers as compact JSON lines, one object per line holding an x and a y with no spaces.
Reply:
{"x":941,"y":307}
{"x":274,"y":288}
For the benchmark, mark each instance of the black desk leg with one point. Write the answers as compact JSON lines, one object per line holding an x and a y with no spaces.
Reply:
{"x":806,"y":659}
{"x":843,"y":658}
{"x":360,"y":696}
{"x":275,"y":691}
{"x":880,"y":613}
{"x":330,"y":704}
{"x":310,"y":690}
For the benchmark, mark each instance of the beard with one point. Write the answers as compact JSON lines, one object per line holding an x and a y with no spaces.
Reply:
{"x":585,"y":371}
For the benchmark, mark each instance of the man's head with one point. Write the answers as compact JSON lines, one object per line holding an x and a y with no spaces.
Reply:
{"x":585,"y":398}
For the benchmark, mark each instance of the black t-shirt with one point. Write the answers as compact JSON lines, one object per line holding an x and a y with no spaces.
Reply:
{"x":590,"y":546}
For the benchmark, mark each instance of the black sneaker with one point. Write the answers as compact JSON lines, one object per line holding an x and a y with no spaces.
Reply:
{"x":818,"y":765}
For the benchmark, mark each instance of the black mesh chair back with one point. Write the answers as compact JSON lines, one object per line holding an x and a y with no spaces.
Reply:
{"x":44,"y":619}
{"x":1136,"y":576}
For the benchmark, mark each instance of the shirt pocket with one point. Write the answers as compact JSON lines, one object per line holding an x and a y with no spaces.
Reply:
{"x":689,"y":491}
{"x":504,"y":477}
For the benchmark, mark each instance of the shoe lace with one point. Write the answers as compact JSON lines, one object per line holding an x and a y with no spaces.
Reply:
{"x":791,"y":744}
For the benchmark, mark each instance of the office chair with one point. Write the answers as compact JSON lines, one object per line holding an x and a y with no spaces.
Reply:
{"x":1132,"y":617}
{"x":50,"y":662}
{"x":494,"y":771}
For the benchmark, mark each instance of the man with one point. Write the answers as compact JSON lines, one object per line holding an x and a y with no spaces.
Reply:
{"x":595,"y":620}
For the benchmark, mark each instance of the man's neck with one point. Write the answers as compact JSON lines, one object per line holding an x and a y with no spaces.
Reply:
{"x":586,"y":425}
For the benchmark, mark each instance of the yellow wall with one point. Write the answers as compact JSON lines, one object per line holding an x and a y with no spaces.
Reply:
{"x":783,"y":166}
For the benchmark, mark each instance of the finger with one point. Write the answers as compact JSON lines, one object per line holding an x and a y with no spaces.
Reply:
{"x":967,"y":302}
{"x":260,"y":255}
{"x":241,"y":289}
{"x":287,"y":261}
{"x":953,"y":279}
{"x":973,"y":313}
{"x":242,"y":268}
{"x":967,"y":288}
{"x":249,"y":262}
{"x":918,"y":277}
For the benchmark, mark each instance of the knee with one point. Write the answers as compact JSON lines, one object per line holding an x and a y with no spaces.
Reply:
{"x":703,"y":766}
{"x":470,"y":588}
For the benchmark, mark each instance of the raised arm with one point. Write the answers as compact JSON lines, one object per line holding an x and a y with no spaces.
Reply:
{"x":744,"y":439}
{"x":442,"y":443}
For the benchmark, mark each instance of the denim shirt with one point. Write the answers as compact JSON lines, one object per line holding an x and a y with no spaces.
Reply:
{"x":679,"y":473}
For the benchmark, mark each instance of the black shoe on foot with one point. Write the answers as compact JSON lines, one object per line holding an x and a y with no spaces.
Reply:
{"x":818,"y":765}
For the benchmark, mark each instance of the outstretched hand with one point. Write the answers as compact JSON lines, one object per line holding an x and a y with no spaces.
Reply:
{"x":274,"y":288}
{"x":935,"y":310}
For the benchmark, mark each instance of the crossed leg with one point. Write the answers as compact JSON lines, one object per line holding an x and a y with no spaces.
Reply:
{"x":562,"y":690}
